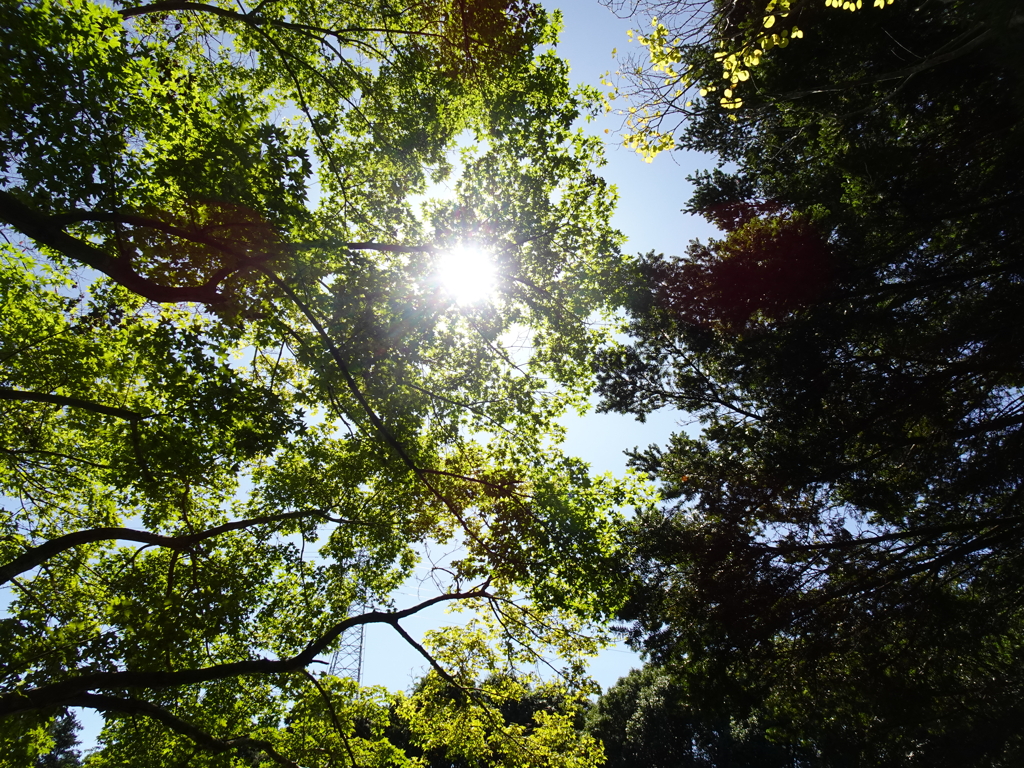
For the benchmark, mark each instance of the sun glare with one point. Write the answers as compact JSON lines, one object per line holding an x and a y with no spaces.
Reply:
{"x":467,"y":274}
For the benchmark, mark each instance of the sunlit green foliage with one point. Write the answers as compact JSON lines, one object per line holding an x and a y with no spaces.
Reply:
{"x":236,"y":400}
{"x":519,"y":724}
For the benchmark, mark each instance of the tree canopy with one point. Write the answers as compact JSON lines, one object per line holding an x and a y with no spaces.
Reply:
{"x":841,"y":545}
{"x":543,"y":716}
{"x":237,"y":403}
{"x":650,"y":717}
{"x":701,"y":53}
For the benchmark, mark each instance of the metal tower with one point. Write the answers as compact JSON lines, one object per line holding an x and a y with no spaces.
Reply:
{"x":347,"y":661}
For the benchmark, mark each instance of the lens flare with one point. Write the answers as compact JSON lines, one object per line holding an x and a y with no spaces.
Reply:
{"x":467,"y":273}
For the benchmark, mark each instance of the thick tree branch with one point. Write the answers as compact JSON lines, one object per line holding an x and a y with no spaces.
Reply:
{"x":192,"y":234}
{"x":6,"y":393}
{"x":45,"y":231}
{"x":59,"y":693}
{"x":992,"y":425}
{"x":1003,"y":422}
{"x":66,"y":456}
{"x":40,"y":554}
{"x":255,"y":19}
{"x":243,"y":259}
{"x":390,"y":248}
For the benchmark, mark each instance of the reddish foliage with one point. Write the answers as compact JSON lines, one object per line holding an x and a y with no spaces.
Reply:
{"x":765,"y":270}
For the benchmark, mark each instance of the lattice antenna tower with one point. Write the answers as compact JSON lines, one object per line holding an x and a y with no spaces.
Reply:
{"x":347,"y":660}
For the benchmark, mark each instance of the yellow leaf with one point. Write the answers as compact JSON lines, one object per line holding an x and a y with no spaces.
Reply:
{"x":769,"y":22}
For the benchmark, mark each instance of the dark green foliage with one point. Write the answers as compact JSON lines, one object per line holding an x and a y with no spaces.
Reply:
{"x":649,"y":718}
{"x":843,"y":536}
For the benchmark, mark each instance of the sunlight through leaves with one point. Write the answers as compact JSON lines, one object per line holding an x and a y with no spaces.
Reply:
{"x":467,"y":273}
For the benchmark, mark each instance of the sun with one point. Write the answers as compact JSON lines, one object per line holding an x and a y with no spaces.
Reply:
{"x":468,"y":274}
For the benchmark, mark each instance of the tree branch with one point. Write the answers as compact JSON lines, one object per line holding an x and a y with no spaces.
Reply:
{"x":254,"y":19}
{"x":57,"y":454}
{"x":367,"y":246}
{"x":430,"y":659}
{"x":192,"y":234}
{"x":6,"y":393}
{"x":935,"y":530}
{"x":44,"y":231}
{"x":982,"y":35}
{"x":375,"y":420}
{"x":40,"y":554}
{"x":334,"y":715}
{"x":59,"y":693}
